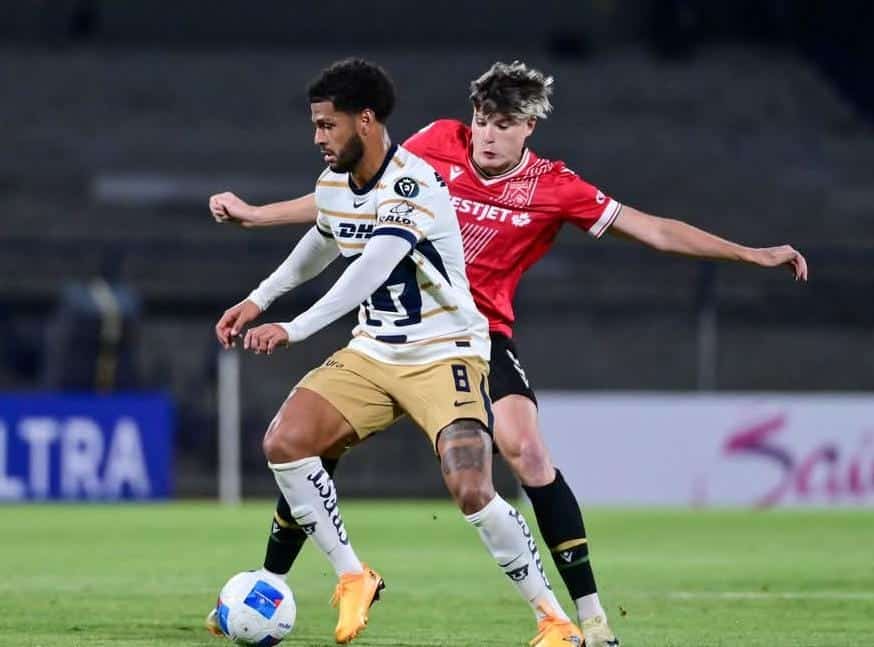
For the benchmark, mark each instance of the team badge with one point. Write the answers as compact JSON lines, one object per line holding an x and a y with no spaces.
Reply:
{"x":518,"y":193}
{"x":407,"y":187}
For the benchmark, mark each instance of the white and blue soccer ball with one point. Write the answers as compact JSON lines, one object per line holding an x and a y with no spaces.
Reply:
{"x":256,"y":608}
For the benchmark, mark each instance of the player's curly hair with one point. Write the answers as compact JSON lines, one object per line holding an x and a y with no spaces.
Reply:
{"x":353,"y":85}
{"x":512,"y":89}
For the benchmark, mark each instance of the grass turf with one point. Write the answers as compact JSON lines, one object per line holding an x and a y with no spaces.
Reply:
{"x":147,"y":575}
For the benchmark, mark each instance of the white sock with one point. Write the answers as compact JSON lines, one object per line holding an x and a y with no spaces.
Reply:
{"x":507,"y":537}
{"x":589,"y":606}
{"x":312,"y":498}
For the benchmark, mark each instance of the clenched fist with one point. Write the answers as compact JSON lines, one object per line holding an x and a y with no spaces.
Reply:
{"x":227,"y":207}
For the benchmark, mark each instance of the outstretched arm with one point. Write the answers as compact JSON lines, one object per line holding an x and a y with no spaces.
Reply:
{"x":675,"y":236}
{"x":227,"y":207}
{"x":361,"y":279}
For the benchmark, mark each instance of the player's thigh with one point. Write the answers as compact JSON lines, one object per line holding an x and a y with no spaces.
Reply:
{"x":517,"y":434}
{"x":507,"y":376}
{"x":306,"y":425}
{"x":439,"y":393}
{"x":518,"y":438}
{"x":334,"y":406}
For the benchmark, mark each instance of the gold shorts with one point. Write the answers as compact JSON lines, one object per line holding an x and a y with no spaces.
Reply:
{"x":371,"y":394}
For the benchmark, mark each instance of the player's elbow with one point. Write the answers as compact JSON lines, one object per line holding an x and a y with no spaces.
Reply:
{"x":649,"y":230}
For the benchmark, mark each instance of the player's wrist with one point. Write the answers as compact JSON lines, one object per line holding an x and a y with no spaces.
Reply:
{"x":255,"y":215}
{"x":751,"y":255}
{"x":293,"y":332}
{"x":259,"y":300}
{"x":259,"y":306}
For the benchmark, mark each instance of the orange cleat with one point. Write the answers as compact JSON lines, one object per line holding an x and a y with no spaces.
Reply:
{"x":553,"y":631}
{"x":354,"y":595}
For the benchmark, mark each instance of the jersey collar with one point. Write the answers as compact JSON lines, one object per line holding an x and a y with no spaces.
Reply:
{"x":377,"y":176}
{"x":488,"y":180}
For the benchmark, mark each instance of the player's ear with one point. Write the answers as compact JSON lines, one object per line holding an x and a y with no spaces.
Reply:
{"x":366,"y":119}
{"x":530,"y":125}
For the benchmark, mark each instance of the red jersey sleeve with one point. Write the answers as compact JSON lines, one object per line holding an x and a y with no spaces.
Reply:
{"x":585,"y":205}
{"x":435,"y":137}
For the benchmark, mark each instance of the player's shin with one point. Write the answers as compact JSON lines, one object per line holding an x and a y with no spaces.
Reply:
{"x":561,"y":525}
{"x":286,"y":537}
{"x":312,"y":501}
{"x":509,"y":540}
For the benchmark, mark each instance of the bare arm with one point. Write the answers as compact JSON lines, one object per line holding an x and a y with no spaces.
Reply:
{"x":675,"y":236}
{"x":228,"y":207}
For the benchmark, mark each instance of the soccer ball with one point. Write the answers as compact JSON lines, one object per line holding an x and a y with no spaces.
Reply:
{"x":256,"y":608}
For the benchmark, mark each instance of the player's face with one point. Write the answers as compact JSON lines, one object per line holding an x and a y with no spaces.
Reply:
{"x":498,"y":141}
{"x":337,"y":137}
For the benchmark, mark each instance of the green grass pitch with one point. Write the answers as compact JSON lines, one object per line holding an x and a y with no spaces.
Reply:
{"x":147,"y":575}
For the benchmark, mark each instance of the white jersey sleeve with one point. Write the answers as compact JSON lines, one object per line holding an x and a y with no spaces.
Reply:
{"x":359,"y":281}
{"x":312,"y":254}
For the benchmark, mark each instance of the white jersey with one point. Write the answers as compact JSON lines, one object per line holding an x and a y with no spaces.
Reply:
{"x":424,"y":312}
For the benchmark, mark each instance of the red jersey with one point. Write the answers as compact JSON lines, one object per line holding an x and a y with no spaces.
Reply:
{"x":508,"y":222}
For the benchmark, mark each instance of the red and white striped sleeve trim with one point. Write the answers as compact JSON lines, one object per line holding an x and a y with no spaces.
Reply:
{"x":608,"y":216}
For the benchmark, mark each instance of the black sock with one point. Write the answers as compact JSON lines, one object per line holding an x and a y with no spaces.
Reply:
{"x":286,"y":538}
{"x":561,"y":526}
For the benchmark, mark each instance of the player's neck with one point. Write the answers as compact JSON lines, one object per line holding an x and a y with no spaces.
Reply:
{"x":498,"y":171}
{"x":371,"y":162}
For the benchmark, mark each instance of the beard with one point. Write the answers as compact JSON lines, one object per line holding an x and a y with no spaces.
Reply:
{"x":349,"y":156}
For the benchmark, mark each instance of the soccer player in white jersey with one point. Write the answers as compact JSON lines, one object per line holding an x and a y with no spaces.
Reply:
{"x":420,"y":347}
{"x":511,"y":203}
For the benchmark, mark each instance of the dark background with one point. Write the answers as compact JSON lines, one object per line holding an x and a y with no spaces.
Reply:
{"x":119,"y":119}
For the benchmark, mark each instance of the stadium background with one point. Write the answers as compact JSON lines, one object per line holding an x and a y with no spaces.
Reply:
{"x":662,"y":381}
{"x":750,"y":119}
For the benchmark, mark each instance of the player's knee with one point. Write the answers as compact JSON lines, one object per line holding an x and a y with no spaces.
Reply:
{"x":527,"y":456}
{"x":274,"y":449}
{"x":281,"y":444}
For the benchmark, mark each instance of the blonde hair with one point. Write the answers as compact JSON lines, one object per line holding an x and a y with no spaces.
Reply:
{"x":513,"y":89}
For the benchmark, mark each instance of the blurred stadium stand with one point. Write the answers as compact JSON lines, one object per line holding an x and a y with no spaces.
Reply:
{"x":116,"y":128}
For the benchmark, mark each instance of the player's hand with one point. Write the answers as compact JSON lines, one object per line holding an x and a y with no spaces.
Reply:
{"x":233,"y":320}
{"x":265,"y":338}
{"x":227,"y":207}
{"x":782,"y":255}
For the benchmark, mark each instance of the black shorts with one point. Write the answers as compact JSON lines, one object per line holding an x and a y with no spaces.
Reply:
{"x":506,"y":375}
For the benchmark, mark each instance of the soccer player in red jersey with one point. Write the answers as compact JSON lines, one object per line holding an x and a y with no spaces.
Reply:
{"x":510,"y":205}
